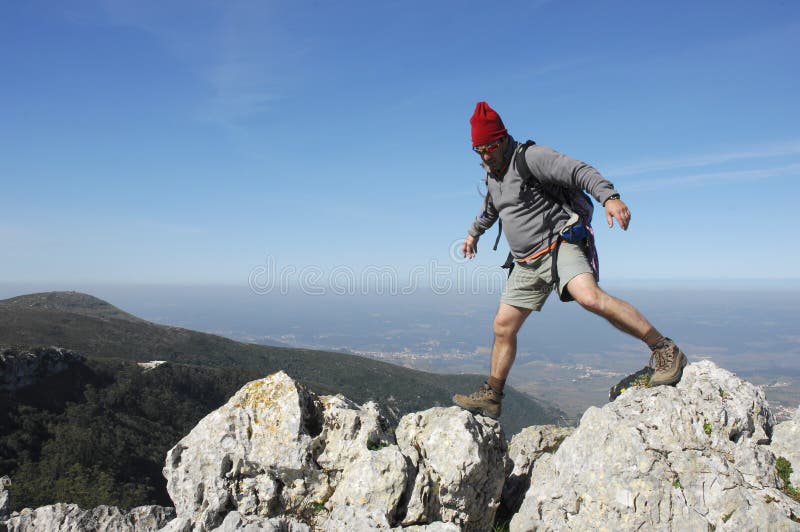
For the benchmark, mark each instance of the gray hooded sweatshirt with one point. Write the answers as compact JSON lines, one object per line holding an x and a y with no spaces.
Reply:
{"x":531,"y":219}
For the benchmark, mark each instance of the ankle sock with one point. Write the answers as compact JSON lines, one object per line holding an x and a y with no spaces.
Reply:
{"x":652,"y":337}
{"x":497,"y":384}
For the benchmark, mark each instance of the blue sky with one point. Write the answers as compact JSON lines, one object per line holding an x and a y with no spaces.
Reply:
{"x":186,"y":142}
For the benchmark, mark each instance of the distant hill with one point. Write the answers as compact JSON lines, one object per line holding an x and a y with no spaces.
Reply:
{"x":98,"y":330}
{"x":70,"y":302}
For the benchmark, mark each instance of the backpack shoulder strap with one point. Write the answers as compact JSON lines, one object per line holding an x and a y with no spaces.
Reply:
{"x":521,"y":164}
{"x":486,"y":200}
{"x":561,"y":199}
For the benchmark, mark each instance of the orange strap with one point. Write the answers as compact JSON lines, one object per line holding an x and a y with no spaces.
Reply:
{"x":541,"y":252}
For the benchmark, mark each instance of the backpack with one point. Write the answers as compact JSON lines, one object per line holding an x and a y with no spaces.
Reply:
{"x":574,"y":201}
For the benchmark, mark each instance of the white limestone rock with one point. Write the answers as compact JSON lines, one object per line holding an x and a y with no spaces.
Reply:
{"x":525,"y":448}
{"x":21,"y":368}
{"x":786,"y":443}
{"x":253,"y":455}
{"x":346,"y":518}
{"x":5,"y":498}
{"x":235,"y":522}
{"x":689,"y":457}
{"x":348,"y":431}
{"x":274,"y":449}
{"x":460,"y":463}
{"x":373,"y":483}
{"x":71,"y":518}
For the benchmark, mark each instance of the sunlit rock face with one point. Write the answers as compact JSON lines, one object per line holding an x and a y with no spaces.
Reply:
{"x":276,"y":457}
{"x":276,"y":449}
{"x":691,"y":457}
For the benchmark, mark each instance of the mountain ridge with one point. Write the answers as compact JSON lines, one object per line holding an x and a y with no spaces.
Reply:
{"x":97,"y":329}
{"x":55,"y":416}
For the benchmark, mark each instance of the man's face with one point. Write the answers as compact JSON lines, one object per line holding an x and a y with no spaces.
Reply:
{"x":493,"y":154}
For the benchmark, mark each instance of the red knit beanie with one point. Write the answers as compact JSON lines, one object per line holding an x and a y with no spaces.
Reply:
{"x":486,"y":125}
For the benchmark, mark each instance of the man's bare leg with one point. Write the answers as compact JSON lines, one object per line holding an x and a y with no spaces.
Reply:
{"x":507,"y":323}
{"x":619,"y":313}
{"x":487,"y":400}
{"x":669,"y":359}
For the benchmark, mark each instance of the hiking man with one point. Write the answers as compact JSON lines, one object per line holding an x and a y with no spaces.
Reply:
{"x":528,"y":187}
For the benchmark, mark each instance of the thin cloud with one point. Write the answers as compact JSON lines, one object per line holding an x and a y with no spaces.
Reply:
{"x":715,"y":177}
{"x":231,"y":47}
{"x":779,"y":149}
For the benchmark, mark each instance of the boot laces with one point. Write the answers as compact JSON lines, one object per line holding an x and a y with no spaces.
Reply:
{"x":664,"y":356}
{"x":485,"y":392}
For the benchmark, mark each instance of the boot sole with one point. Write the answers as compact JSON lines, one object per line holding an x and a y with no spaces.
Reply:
{"x":676,"y":378}
{"x":477,"y":410}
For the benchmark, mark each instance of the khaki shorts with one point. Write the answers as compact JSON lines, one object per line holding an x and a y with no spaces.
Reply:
{"x":531,"y":282}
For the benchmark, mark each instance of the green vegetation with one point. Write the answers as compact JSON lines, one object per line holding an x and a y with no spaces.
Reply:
{"x":677,"y":484}
{"x":376,"y":445}
{"x":553,"y":448}
{"x":502,"y":526}
{"x":96,"y":329}
{"x":784,"y":469}
{"x":106,"y":441}
{"x":707,"y":427}
{"x":727,"y":516}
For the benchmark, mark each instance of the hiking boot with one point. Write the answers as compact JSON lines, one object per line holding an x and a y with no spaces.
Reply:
{"x":484,"y":402}
{"x":669,"y":363}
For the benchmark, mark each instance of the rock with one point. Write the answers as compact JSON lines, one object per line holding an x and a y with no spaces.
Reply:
{"x":5,"y":497}
{"x":525,"y":449}
{"x":460,"y":463}
{"x":235,"y":521}
{"x":438,"y":526}
{"x":348,"y":431}
{"x":20,"y":368}
{"x":150,"y":365}
{"x":347,"y":518}
{"x":252,"y":455}
{"x":70,"y":518}
{"x":786,"y":443}
{"x":700,"y":455}
{"x":374,"y":483}
{"x":689,"y":457}
{"x":274,"y":449}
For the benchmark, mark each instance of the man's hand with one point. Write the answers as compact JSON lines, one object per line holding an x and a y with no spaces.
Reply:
{"x":470,"y":247}
{"x":616,"y":208}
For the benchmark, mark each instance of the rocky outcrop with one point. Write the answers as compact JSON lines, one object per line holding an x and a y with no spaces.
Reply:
{"x":20,"y":368}
{"x":690,"y":457}
{"x":786,"y":443}
{"x":71,"y":518}
{"x":5,"y":498}
{"x":458,"y":463}
{"x":525,"y":449}
{"x":697,"y":456}
{"x":277,"y":450}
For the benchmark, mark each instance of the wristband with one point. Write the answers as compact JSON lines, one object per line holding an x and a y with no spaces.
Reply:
{"x":612,"y":196}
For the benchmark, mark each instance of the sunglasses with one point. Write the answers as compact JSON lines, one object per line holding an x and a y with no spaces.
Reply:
{"x":491,"y":148}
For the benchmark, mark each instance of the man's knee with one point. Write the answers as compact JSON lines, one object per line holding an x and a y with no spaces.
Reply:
{"x":590,"y":297}
{"x":505,"y":327}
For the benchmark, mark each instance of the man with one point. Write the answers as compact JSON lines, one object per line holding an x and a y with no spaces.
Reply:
{"x":533,"y":220}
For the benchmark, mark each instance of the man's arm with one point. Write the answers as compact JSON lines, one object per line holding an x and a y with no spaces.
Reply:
{"x":550,"y":166}
{"x":482,"y":222}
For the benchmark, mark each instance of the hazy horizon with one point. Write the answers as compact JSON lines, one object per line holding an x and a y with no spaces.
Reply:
{"x":750,"y":330}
